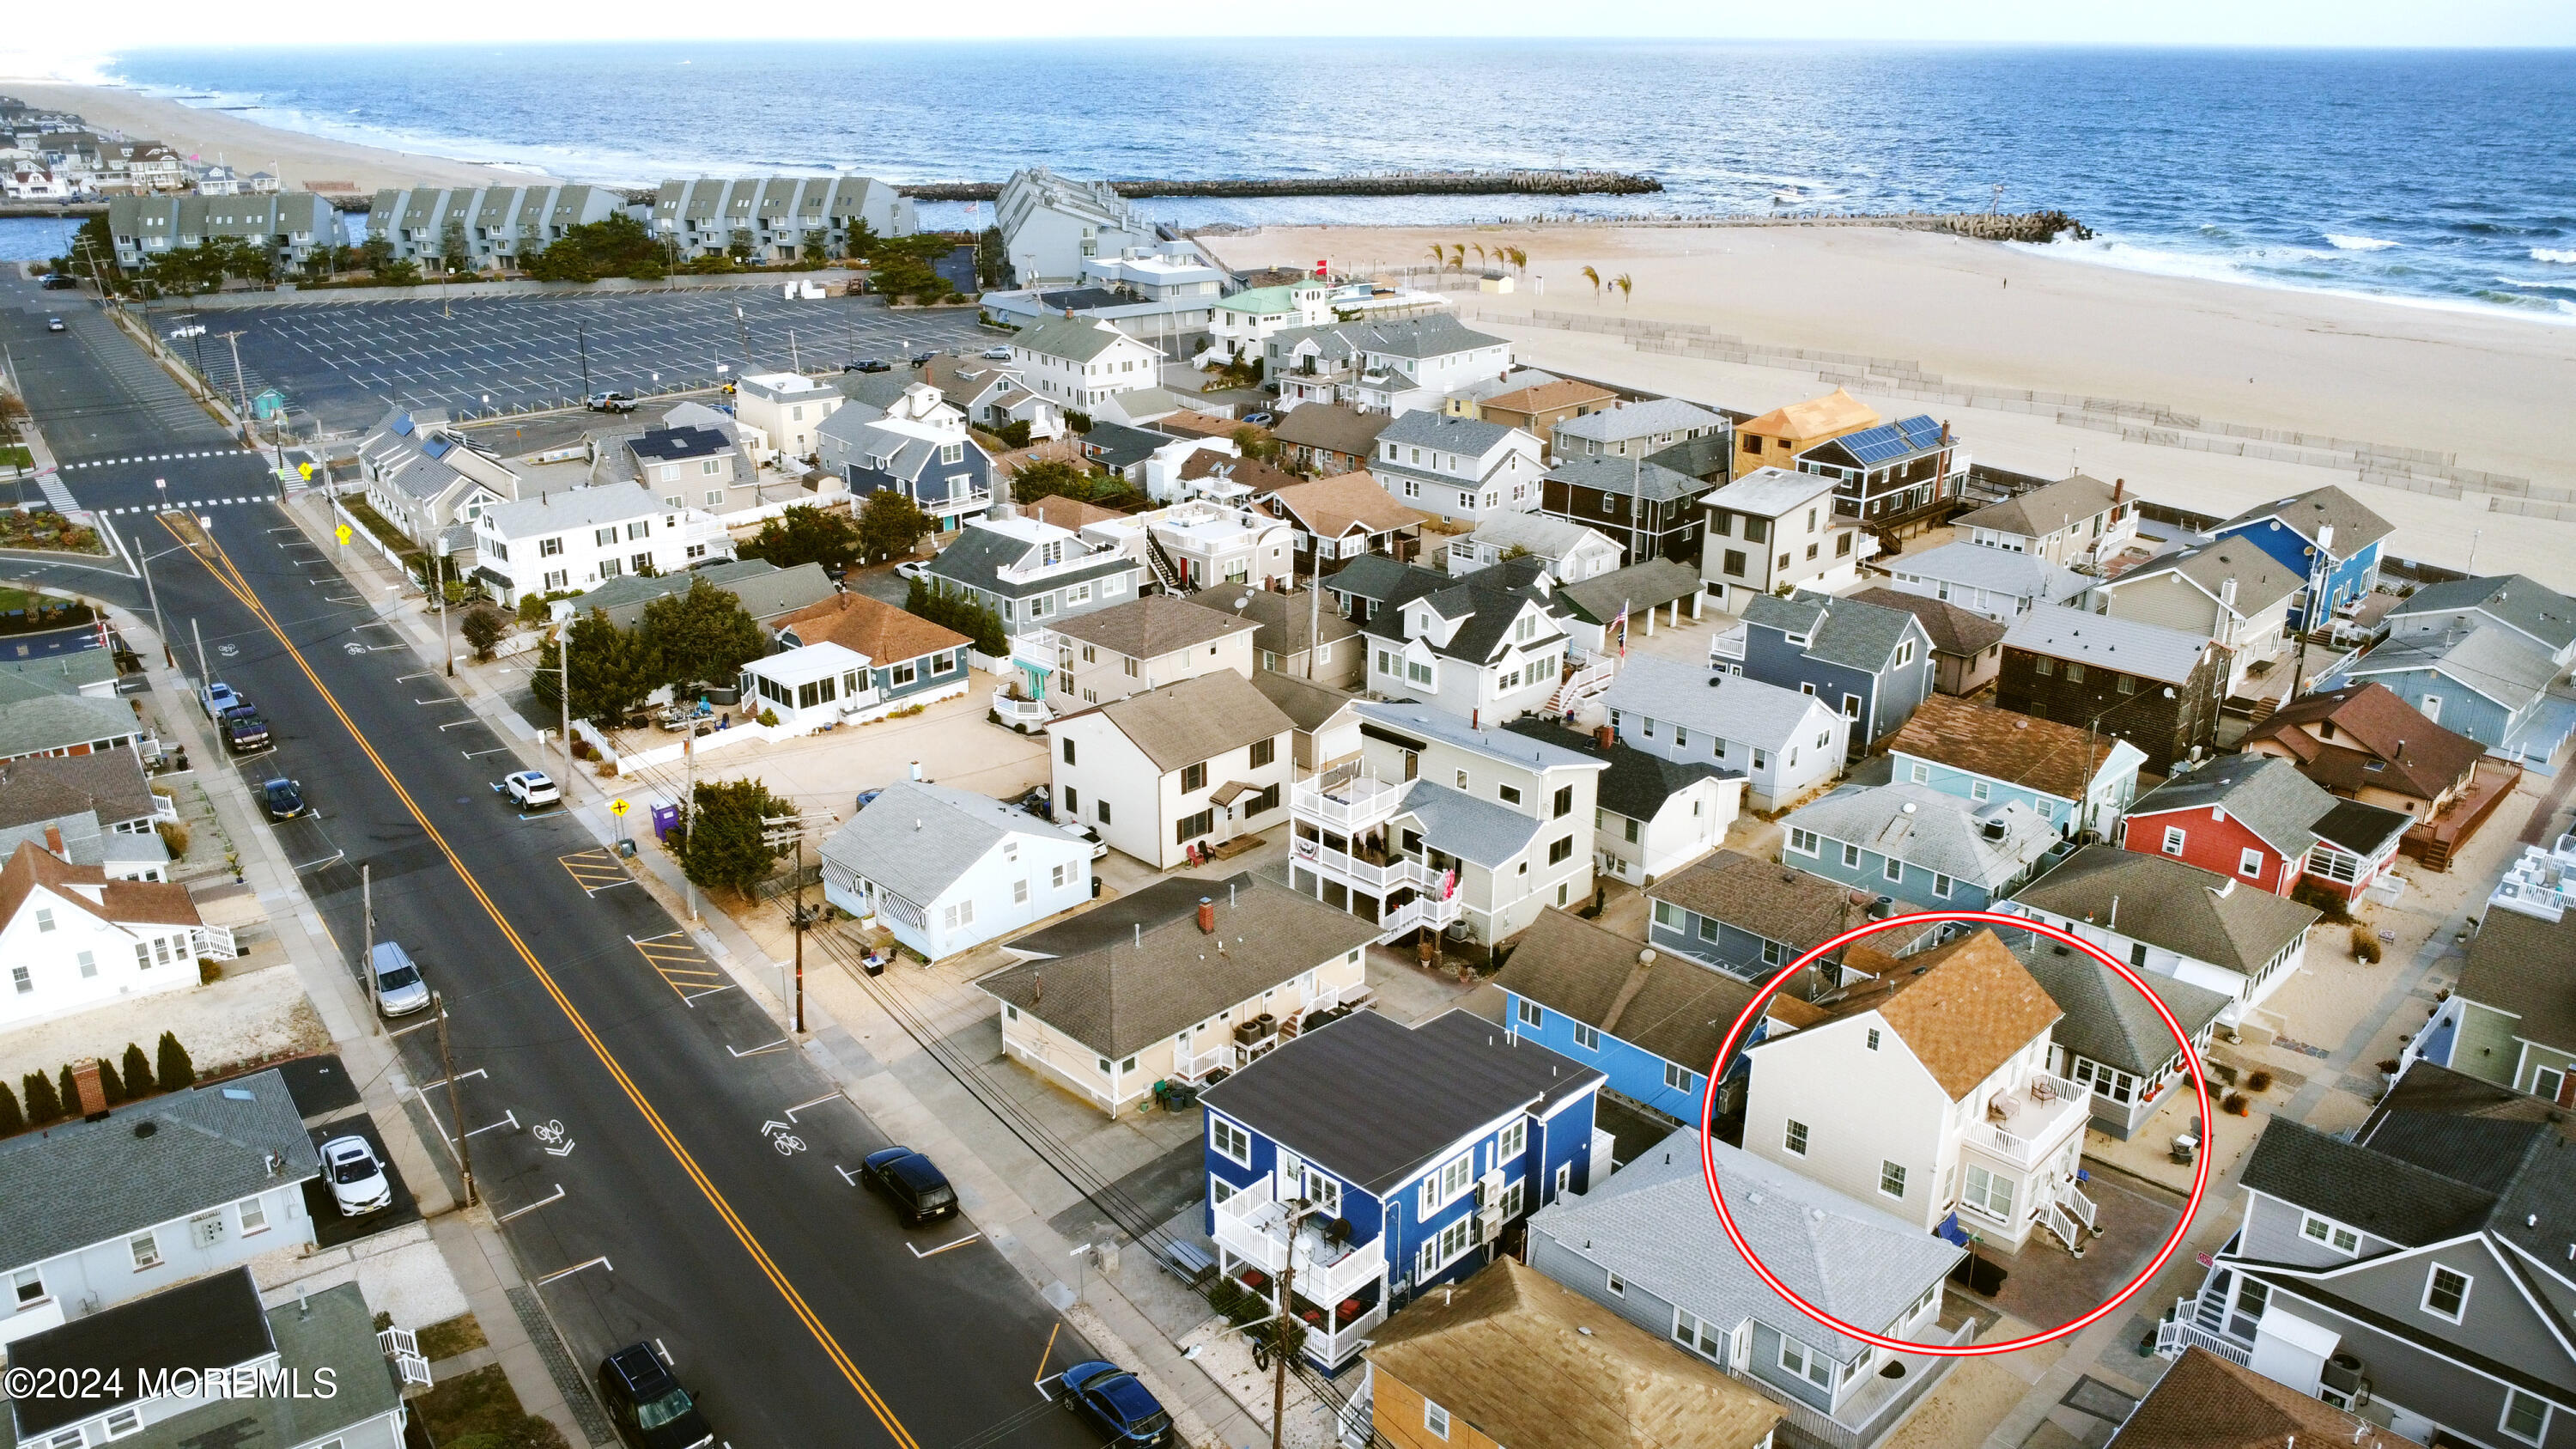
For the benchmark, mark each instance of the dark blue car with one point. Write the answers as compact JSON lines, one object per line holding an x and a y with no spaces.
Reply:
{"x":1110,"y":1397}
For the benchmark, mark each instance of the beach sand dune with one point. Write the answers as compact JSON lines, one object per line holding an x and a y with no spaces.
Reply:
{"x":302,"y":161}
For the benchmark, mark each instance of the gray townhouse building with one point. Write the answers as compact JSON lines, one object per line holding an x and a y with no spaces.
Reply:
{"x":775,"y":216}
{"x":498,"y":226}
{"x":288,"y":225}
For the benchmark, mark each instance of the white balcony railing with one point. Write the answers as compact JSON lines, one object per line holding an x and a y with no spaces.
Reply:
{"x":1416,"y":913}
{"x":1253,"y":1227}
{"x":1343,"y":866}
{"x":2036,"y":1120}
{"x":1353,"y":804}
{"x":1079,"y":558}
{"x":1729,"y":645}
{"x":2181,"y":1333}
{"x":955,"y":503}
{"x":1336,"y":1343}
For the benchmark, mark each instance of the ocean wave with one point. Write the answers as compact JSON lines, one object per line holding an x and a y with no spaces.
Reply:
{"x":2565,"y":255}
{"x":2207,"y":267}
{"x":2346,"y":243}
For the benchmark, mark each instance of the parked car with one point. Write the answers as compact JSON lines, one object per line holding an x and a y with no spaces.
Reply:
{"x":217,"y":697}
{"x":868,"y":364}
{"x":61,"y":282}
{"x":609,"y":402}
{"x":1261,"y":420}
{"x":997,"y":354}
{"x":529,"y":789}
{"x":922,"y":359}
{"x":358,"y":1182}
{"x":53,"y":324}
{"x":284,"y":799}
{"x":651,"y":1409}
{"x":1111,"y":1398}
{"x":400,"y":991}
{"x":243,"y":730}
{"x":917,"y":1188}
{"x":912,"y":569}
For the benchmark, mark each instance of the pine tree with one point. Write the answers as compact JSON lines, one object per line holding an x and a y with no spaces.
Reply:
{"x":703,"y":634}
{"x":43,"y":1103}
{"x":12,"y":1120}
{"x":109,"y":1083}
{"x":176,"y":1070}
{"x":138,"y":1072}
{"x":724,"y":846}
{"x":67,"y":1087}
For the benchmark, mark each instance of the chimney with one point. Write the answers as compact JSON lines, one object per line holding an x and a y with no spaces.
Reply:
{"x":2227,"y":594}
{"x":93,"y":1096}
{"x":1603,"y":737}
{"x":1207,"y":916}
{"x":1037,"y":987}
{"x":2119,"y":489}
{"x":54,"y":840}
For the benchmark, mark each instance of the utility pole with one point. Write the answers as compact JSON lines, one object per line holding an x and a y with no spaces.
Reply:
{"x":742,"y":329}
{"x":1315,"y":606}
{"x":367,"y":908}
{"x":241,"y":389}
{"x":203,"y":678}
{"x":438,"y":563}
{"x":563,"y":661}
{"x":792,"y":829}
{"x":1298,"y":1208}
{"x":795,"y":360}
{"x":144,"y":562}
{"x":581,"y":340}
{"x":688,"y":809}
{"x":455,"y":1113}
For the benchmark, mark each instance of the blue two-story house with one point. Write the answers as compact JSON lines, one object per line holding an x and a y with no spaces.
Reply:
{"x":2325,"y":535}
{"x":1869,"y":661}
{"x":918,"y":447}
{"x":1376,"y":1160}
{"x":2077,"y":779}
{"x":1650,"y":1020}
{"x":1917,"y":844}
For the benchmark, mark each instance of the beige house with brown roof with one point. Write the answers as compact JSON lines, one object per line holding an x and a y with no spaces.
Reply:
{"x":1176,"y":769}
{"x":71,"y":939}
{"x":1967,"y":647}
{"x":1776,"y":438}
{"x":1144,"y":644}
{"x":1328,"y":438}
{"x":1343,"y":516}
{"x":1538,"y":409}
{"x":1926,"y":1092}
{"x":1509,"y":1358}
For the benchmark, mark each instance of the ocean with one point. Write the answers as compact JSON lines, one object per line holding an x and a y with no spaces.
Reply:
{"x":2432,"y":177}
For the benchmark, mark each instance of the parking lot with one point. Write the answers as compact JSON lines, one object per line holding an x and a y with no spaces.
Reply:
{"x":344,"y":363}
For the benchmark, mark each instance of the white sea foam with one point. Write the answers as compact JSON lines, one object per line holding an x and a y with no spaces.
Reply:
{"x":2343,"y":242}
{"x":2128,"y":256}
{"x":2566,"y":255}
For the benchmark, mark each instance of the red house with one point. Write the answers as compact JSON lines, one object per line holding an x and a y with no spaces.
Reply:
{"x":2256,"y":818}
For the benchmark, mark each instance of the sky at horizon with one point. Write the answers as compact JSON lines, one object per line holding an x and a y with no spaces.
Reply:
{"x":190,"y":24}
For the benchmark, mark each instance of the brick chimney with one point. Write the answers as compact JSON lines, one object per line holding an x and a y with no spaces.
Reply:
{"x":2119,"y":489}
{"x":54,"y":841}
{"x":93,"y":1095}
{"x":1207,"y":916}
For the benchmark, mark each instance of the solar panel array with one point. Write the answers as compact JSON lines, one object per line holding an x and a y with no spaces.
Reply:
{"x":1892,"y":442}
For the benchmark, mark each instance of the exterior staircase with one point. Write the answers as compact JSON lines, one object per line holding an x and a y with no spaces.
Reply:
{"x":1581,"y":684}
{"x":1165,"y":571}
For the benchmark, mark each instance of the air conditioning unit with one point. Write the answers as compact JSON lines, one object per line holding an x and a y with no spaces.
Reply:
{"x":2344,"y":1381}
{"x":1489,"y":1188}
{"x":1489,"y":1224}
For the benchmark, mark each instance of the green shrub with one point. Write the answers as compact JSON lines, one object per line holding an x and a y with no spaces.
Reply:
{"x":176,"y":1071}
{"x":67,"y":1087}
{"x":11,"y":1118}
{"x":44,"y":1104}
{"x":137,"y":1073}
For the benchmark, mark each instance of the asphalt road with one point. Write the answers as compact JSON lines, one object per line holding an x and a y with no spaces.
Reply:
{"x":781,"y":1290}
{"x":345,"y":363}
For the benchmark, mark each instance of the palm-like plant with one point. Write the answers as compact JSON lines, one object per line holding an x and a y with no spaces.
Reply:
{"x":1626,"y":287}
{"x":1480,"y":256}
{"x":1519,"y":258}
{"x":1594,"y":278}
{"x":1438,"y":257}
{"x":1457,"y":257}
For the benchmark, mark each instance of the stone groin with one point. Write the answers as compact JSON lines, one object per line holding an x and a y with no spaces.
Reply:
{"x":1385,"y":183}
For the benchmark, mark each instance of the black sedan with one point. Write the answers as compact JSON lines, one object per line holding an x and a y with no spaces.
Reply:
{"x":284,"y":799}
{"x":651,"y":1409}
{"x":918,"y":1189}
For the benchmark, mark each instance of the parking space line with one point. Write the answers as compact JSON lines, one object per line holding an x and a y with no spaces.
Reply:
{"x":596,"y":870}
{"x":817,"y":1102}
{"x":756,"y":1051}
{"x":460,"y":1076}
{"x":599,"y":1262}
{"x":558,"y":1196}
{"x":944,"y":1247}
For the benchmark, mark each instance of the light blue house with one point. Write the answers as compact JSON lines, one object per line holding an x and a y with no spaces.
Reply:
{"x":2326,"y":535}
{"x":1383,"y":1160}
{"x":1915,"y":843}
{"x":2491,"y":683}
{"x":1650,"y":1020}
{"x":2540,"y":614}
{"x":2075,"y":779}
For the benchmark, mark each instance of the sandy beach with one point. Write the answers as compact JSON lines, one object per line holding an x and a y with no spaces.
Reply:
{"x":2485,"y":393}
{"x":312,"y":162}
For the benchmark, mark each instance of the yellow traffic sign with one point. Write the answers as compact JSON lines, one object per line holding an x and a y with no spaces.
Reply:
{"x":616,"y":807}
{"x":306,"y":469}
{"x":342,"y":533}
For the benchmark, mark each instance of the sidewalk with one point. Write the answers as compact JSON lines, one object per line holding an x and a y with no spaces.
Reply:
{"x":1118,"y":1329}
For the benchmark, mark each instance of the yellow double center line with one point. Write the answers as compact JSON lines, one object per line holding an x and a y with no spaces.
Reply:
{"x":230,"y":578}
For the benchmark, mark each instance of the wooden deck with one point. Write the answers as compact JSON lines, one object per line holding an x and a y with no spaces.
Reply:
{"x":2435,"y":841}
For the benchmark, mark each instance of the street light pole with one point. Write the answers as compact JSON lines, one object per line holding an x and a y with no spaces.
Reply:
{"x":438,"y":564}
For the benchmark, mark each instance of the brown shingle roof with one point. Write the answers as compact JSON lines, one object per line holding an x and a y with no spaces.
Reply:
{"x":1836,"y":412}
{"x":2419,"y":757}
{"x":1328,"y":507}
{"x":1654,"y":1000}
{"x":879,"y":630}
{"x":1565,"y":392}
{"x":147,"y":902}
{"x":1068,"y":513}
{"x":1252,"y":473}
{"x":1535,"y":1365}
{"x":1334,"y":426}
{"x":42,"y":787}
{"x":2205,"y":1402}
{"x":1283,"y":618}
{"x":1191,"y":423}
{"x":1194,"y":720}
{"x":1963,"y":1008}
{"x":1153,"y":626}
{"x":1954,"y":630}
{"x":1771,"y":900}
{"x":1999,"y":744}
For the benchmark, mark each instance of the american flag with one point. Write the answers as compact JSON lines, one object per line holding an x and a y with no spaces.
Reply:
{"x":1621,"y":625}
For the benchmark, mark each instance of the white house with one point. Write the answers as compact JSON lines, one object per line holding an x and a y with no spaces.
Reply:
{"x":1050,"y":224}
{"x":1571,"y":551}
{"x":2073,"y":520}
{"x":580,"y":538}
{"x":1143,"y":644}
{"x":1653,"y":816}
{"x":424,"y":478}
{"x":1464,"y":469}
{"x":784,"y":410}
{"x":1486,"y":649}
{"x":1243,"y":323}
{"x":1999,"y":584}
{"x":947,"y":870}
{"x":824,"y":685}
{"x":1926,"y":1091}
{"x":2164,"y":915}
{"x":103,"y":1212}
{"x":1182,"y":767}
{"x":1776,"y":527}
{"x":1382,"y":366}
{"x":1441,"y":822}
{"x":1784,"y":740}
{"x":1078,"y":363}
{"x":73,"y":939}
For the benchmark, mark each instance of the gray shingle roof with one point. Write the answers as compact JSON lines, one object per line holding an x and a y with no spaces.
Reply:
{"x":2021,"y":575}
{"x":2379,"y":1194}
{"x":2261,"y":582}
{"x":2533,"y":607}
{"x":1414,"y":719}
{"x":2171,"y":905}
{"x":2150,"y":651}
{"x":1652,"y":1223}
{"x":1153,"y":626}
{"x":1637,"y":784}
{"x":1072,"y":338}
{"x":2044,"y":510}
{"x":764,"y":589}
{"x":2106,"y":1018}
{"x":1374,"y":1103}
{"x":1549,"y":538}
{"x":1375,"y":577}
{"x":2526,"y":965}
{"x":1923,"y":827}
{"x":90,"y":1182}
{"x":2490,"y":659}
{"x":1748,"y":711}
{"x":1769,"y":491}
{"x":572,"y":508}
{"x":1468,"y":437}
{"x":1850,"y":632}
{"x":1194,"y":720}
{"x":1309,"y":704}
{"x":1121,"y":996}
{"x":2355,"y":526}
{"x":916,"y":839}
{"x":1627,"y":477}
{"x":1953,"y":630}
{"x":1640,"y":420}
{"x":979,"y":555}
{"x":1488,"y":603}
{"x":1639,"y":586}
{"x":2265,"y":793}
{"x":45,"y":787}
{"x":49,"y":722}
{"x":1480,"y":832}
{"x":1435,"y":335}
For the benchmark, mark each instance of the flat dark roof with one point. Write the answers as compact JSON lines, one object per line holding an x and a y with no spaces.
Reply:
{"x":212,"y":1323}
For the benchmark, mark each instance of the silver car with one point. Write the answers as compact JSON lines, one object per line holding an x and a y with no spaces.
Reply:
{"x":399,"y":989}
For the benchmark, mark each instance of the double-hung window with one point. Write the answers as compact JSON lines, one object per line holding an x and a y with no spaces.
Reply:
{"x":1511,"y":1142}
{"x":1695,"y":1333}
{"x":1444,"y":1185}
{"x":1990,"y":1194}
{"x":2526,"y":1416}
{"x":1805,"y":1362}
{"x":1801,"y":842}
{"x":1531,"y":1014}
{"x":1587,"y":1037}
{"x":1230,"y":1141}
{"x":2330,"y":1234}
{"x":2446,"y":1293}
{"x":1851,"y":857}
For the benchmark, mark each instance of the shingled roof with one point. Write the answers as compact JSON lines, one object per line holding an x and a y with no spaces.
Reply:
{"x":1654,"y":1000}
{"x":1963,"y":1008}
{"x":2205,"y":1402}
{"x":1953,"y":630}
{"x":1194,"y":720}
{"x":2044,"y":755}
{"x":2265,"y":794}
{"x":2368,"y":724}
{"x":2109,"y":1020}
{"x":2167,"y":903}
